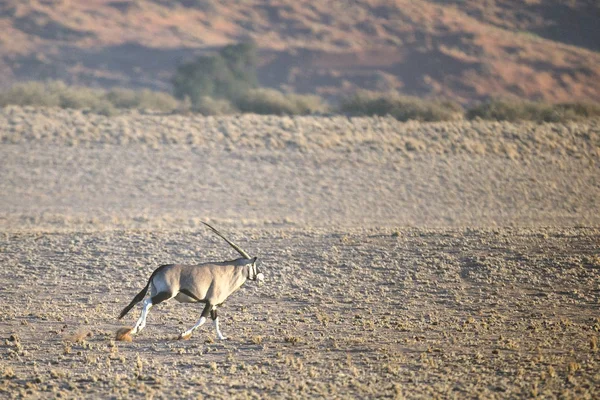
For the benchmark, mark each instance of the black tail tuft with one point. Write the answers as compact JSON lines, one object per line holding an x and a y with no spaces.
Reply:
{"x":139,"y":297}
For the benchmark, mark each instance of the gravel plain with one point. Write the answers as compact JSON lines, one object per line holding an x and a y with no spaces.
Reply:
{"x":403,"y":260}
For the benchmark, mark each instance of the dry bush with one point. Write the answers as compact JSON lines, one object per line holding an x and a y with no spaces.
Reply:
{"x":122,"y":98}
{"x":271,"y":101}
{"x":159,"y":101}
{"x":308,"y":104}
{"x":577,"y":110}
{"x":59,"y":94}
{"x":78,"y":96}
{"x":512,"y":110}
{"x":30,"y":94}
{"x":56,"y":94}
{"x":403,"y":108}
{"x":518,"y":110}
{"x":141,"y":99}
{"x":209,"y":106}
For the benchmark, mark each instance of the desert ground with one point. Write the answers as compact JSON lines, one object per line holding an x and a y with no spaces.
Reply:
{"x":402,"y":260}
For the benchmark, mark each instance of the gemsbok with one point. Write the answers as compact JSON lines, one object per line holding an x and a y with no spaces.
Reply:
{"x":208,"y":283}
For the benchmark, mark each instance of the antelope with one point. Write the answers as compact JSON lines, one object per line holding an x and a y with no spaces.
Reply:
{"x":209,"y":283}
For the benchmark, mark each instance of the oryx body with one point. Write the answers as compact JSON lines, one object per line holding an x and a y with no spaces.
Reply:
{"x":208,"y":283}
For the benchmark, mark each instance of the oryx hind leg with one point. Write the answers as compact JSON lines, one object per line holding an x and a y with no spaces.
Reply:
{"x":205,"y":313}
{"x":148,"y":303}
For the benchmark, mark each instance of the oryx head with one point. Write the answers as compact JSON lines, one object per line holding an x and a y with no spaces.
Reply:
{"x":254,"y":270}
{"x":255,"y":273}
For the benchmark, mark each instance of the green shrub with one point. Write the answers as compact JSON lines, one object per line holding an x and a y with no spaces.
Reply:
{"x":242,"y":60}
{"x":207,"y":76}
{"x":403,"y":108}
{"x":271,"y":101}
{"x":228,"y":74}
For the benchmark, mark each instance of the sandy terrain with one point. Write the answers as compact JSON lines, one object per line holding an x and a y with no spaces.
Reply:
{"x":402,"y":260}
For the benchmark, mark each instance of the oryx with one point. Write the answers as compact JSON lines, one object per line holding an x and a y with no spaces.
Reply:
{"x":209,"y":283}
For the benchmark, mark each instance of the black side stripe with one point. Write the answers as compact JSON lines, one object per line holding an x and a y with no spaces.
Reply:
{"x":192,"y":295}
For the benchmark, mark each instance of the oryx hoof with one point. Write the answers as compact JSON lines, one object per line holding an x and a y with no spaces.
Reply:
{"x":184,"y":337}
{"x":223,"y":338}
{"x":124,"y":334}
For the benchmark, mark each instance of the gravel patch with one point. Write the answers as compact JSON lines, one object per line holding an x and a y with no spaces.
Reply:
{"x":401,"y":260}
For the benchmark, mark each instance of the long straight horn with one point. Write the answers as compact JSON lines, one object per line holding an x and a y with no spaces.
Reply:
{"x":235,"y":246}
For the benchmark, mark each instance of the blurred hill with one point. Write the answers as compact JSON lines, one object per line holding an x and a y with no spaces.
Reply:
{"x":464,"y":50}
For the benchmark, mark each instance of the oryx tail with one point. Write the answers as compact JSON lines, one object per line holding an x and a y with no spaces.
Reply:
{"x":140,"y":296}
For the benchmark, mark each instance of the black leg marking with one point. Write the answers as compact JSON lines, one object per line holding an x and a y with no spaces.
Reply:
{"x":160,"y":297}
{"x":213,"y":314}
{"x":207,"y":309}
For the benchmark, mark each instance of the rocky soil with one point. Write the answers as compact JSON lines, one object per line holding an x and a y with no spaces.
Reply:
{"x":402,"y":260}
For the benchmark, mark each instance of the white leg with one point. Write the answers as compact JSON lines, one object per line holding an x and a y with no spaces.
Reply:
{"x":141,"y":322}
{"x":188,"y":333}
{"x":219,"y":334}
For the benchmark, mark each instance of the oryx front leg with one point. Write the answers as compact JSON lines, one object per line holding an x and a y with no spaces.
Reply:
{"x":215,"y":318}
{"x":205,"y":313}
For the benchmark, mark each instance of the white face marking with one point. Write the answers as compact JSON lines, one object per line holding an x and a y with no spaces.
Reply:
{"x":260,"y":277}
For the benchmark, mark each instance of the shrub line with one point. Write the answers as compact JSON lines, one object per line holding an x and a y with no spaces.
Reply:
{"x":267,"y":101}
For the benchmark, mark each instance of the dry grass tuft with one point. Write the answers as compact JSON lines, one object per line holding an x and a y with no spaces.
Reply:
{"x":292,"y":339}
{"x":79,"y":336}
{"x":124,"y":334}
{"x":184,"y":337}
{"x":257,"y":339}
{"x":8,"y":373}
